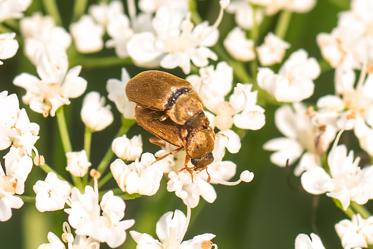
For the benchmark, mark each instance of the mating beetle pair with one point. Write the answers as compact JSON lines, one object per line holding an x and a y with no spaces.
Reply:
{"x":169,"y":108}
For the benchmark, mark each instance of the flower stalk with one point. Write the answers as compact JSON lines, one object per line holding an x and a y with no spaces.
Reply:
{"x":64,"y":133}
{"x":52,"y":9}
{"x":126,"y":125}
{"x":87,"y":141}
{"x":283,"y":23}
{"x":79,"y":8}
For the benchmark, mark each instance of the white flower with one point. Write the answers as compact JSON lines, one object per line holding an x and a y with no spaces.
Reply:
{"x":52,"y":193}
{"x":151,"y":6}
{"x":111,"y":17}
{"x":355,"y":233}
{"x":248,"y":115}
{"x":272,"y":51}
{"x":301,"y":135}
{"x":77,"y":163}
{"x":171,"y":229}
{"x":190,"y":190}
{"x":351,"y":42}
{"x":212,"y":85}
{"x":88,"y":35}
{"x":95,"y":115}
{"x":55,"y":87}
{"x":8,"y":46}
{"x":127,"y":149}
{"x":9,"y":109}
{"x":7,"y":200}
{"x":79,"y":242}
{"x":273,"y":6}
{"x":120,"y":32}
{"x":83,"y":242}
{"x":176,"y":42}
{"x":18,"y":166}
{"x":346,"y":182}
{"x":226,"y":139}
{"x":43,"y":38}
{"x":12,"y":8}
{"x":102,"y":13}
{"x":304,"y":241}
{"x":142,"y":176}
{"x":25,"y":133}
{"x":352,"y":107}
{"x":85,"y":216}
{"x":332,"y":49}
{"x":54,"y":242}
{"x":244,"y":14}
{"x":116,"y":89}
{"x":238,"y":46}
{"x":294,"y":82}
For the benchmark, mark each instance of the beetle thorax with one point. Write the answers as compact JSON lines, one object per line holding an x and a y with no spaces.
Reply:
{"x":186,"y":107}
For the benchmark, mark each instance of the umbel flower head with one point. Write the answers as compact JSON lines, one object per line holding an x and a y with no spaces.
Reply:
{"x":56,"y":85}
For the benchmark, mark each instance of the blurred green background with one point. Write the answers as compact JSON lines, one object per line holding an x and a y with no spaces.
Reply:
{"x":267,"y":213}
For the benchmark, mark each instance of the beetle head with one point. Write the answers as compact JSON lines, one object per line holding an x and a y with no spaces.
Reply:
{"x":203,"y":162}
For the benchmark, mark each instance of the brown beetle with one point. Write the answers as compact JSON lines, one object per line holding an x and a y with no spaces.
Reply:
{"x":161,"y":99}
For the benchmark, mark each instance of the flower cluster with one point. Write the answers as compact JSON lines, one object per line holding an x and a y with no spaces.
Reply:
{"x":170,"y":35}
{"x":18,"y":136}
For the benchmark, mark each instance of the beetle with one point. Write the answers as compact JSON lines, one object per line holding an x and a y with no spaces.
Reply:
{"x":198,"y":142}
{"x":169,"y":108}
{"x":165,"y":92}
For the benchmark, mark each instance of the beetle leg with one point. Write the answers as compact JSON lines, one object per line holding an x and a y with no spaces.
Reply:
{"x":190,"y":170}
{"x":158,"y":141}
{"x":169,"y":153}
{"x":208,"y":175}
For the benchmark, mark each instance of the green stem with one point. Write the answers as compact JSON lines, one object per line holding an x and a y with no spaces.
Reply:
{"x":126,"y":124}
{"x":64,"y":133}
{"x":349,"y":212}
{"x":78,"y":182}
{"x":94,"y":62}
{"x":4,"y":29}
{"x":47,"y":169}
{"x":52,"y":9}
{"x":29,"y":199}
{"x":32,"y":219}
{"x":79,"y":8}
{"x":324,"y":66}
{"x":238,"y":68}
{"x":87,"y":141}
{"x":283,"y":23}
{"x":360,"y":210}
{"x":254,"y":36}
{"x":105,"y":179}
{"x":194,"y":11}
